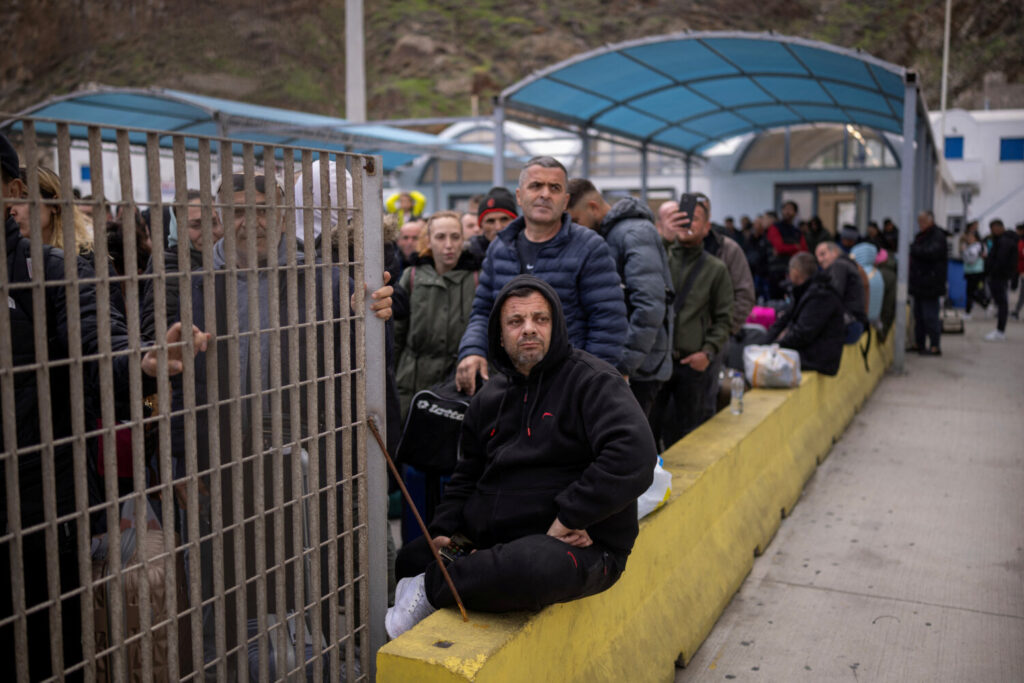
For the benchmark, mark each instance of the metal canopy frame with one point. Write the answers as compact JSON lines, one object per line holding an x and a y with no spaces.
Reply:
{"x":690,"y":90}
{"x":175,"y":111}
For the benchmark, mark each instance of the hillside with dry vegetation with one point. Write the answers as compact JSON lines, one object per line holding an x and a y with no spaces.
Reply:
{"x":431,"y":58}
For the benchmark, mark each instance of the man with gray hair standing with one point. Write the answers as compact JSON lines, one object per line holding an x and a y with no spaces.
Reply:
{"x":544,"y":242}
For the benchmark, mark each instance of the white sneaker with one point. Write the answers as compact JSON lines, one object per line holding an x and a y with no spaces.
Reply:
{"x":966,"y":316}
{"x":411,"y":606}
{"x":995,"y":335}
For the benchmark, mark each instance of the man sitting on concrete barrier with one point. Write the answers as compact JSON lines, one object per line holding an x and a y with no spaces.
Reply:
{"x":555,"y":453}
{"x":850,"y":282}
{"x":814,"y":325}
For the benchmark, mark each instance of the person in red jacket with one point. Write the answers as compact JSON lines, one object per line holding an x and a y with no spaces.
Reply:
{"x":786,"y":240}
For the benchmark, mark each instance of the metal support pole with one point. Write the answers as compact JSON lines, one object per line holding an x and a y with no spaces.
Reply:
{"x":585,"y":153}
{"x":907,"y":218}
{"x":945,"y":80}
{"x":688,"y":166}
{"x":785,"y":158}
{"x":376,"y":472}
{"x":437,"y":185}
{"x":498,"y":175}
{"x":355,"y":66}
{"x":643,"y":173}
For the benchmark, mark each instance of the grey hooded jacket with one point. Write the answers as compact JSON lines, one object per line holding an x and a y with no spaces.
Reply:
{"x":640,"y":259}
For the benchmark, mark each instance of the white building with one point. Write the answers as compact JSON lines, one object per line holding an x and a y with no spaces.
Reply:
{"x":984,"y":151}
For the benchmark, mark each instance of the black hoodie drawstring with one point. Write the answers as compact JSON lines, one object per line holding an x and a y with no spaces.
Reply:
{"x":497,"y":420}
{"x":536,"y":399}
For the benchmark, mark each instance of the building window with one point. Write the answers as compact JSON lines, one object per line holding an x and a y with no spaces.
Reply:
{"x":955,"y":148}
{"x":1011,"y":149}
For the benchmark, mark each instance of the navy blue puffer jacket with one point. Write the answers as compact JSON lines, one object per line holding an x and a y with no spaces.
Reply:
{"x":576,"y":262}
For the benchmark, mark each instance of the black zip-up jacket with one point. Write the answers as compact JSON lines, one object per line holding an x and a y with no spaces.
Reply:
{"x":928,"y":263}
{"x":814,"y":326}
{"x":1002,"y":258}
{"x":568,"y":441}
{"x":26,"y":389}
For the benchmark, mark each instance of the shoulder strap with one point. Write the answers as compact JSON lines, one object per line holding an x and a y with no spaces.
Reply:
{"x":412,"y":279}
{"x":680,"y":299}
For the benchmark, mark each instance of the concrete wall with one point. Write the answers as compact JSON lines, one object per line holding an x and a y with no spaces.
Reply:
{"x":733,"y":480}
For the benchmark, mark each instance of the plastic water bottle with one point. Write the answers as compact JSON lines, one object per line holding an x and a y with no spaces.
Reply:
{"x":736,"y":384}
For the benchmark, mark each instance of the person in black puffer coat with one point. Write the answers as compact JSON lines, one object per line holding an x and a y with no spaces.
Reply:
{"x":1001,"y":267}
{"x":814,"y":325}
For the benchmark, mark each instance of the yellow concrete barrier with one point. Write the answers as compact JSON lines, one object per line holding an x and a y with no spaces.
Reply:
{"x":732,"y":482}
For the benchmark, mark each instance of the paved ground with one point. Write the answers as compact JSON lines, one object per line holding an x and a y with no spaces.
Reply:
{"x":904,"y":559}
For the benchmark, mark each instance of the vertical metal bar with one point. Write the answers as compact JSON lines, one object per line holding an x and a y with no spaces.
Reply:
{"x":785,"y":153}
{"x":355,"y":66}
{"x":370,"y":402}
{"x":907,"y":217}
{"x":213,"y":388}
{"x":44,"y":406}
{"x":316,"y":364}
{"x":643,"y":173}
{"x":192,"y":507}
{"x":437,"y":183}
{"x":116,"y":660}
{"x":12,"y":534}
{"x":111,"y":586}
{"x":688,"y":166}
{"x":131,"y":270}
{"x":250,"y":395}
{"x":336,"y":302}
{"x":183,"y":283}
{"x":78,"y":426}
{"x":584,"y":152}
{"x":158,"y":269}
{"x":348,"y":456}
{"x":498,"y":167}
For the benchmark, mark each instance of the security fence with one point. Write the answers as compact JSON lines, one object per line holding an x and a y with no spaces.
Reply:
{"x":171,"y":513}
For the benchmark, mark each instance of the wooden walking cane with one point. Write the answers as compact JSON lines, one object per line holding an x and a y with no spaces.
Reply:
{"x":419,"y":520}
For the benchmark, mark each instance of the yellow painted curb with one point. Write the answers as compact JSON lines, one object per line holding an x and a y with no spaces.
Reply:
{"x":732,"y":482}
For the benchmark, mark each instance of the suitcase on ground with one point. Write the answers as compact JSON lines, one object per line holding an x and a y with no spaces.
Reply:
{"x":153,"y":542}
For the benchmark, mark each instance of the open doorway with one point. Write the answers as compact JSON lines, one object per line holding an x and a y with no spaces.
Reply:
{"x":836,"y":204}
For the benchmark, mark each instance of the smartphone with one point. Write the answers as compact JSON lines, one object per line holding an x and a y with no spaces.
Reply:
{"x":687,"y":203}
{"x":460,"y":546}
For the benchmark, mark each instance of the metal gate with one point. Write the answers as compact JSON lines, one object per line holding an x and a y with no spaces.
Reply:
{"x":224,"y":522}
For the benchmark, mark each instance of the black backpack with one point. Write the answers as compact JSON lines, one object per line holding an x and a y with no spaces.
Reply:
{"x":433,"y":429}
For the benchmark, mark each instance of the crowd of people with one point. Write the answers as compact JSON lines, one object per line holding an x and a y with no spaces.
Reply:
{"x":591,"y":335}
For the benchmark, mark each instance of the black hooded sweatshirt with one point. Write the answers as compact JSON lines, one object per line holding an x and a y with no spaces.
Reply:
{"x":568,"y":441}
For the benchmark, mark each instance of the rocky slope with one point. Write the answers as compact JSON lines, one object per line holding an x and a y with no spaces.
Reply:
{"x":429,"y":58}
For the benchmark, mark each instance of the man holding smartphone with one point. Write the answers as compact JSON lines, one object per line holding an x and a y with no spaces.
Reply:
{"x":703,"y":316}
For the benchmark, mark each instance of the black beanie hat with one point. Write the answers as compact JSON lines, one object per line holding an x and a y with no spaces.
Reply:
{"x":498,"y":199}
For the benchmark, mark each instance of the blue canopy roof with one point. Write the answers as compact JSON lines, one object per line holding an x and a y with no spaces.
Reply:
{"x":173,"y":111}
{"x":687,"y":91}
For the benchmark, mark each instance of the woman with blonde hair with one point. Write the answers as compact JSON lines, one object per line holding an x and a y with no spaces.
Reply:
{"x":51,"y":216}
{"x":440,"y":289}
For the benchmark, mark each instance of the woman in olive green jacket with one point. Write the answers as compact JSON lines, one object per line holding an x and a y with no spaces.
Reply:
{"x":440,"y":286}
